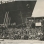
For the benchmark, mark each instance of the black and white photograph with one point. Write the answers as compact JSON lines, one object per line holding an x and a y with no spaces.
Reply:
{"x":22,"y":20}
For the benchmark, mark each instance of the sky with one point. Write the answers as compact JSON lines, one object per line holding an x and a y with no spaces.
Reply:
{"x":39,"y":9}
{"x":17,"y":0}
{"x":7,"y":0}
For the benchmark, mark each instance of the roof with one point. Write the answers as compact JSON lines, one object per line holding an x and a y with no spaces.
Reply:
{"x":39,"y":9}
